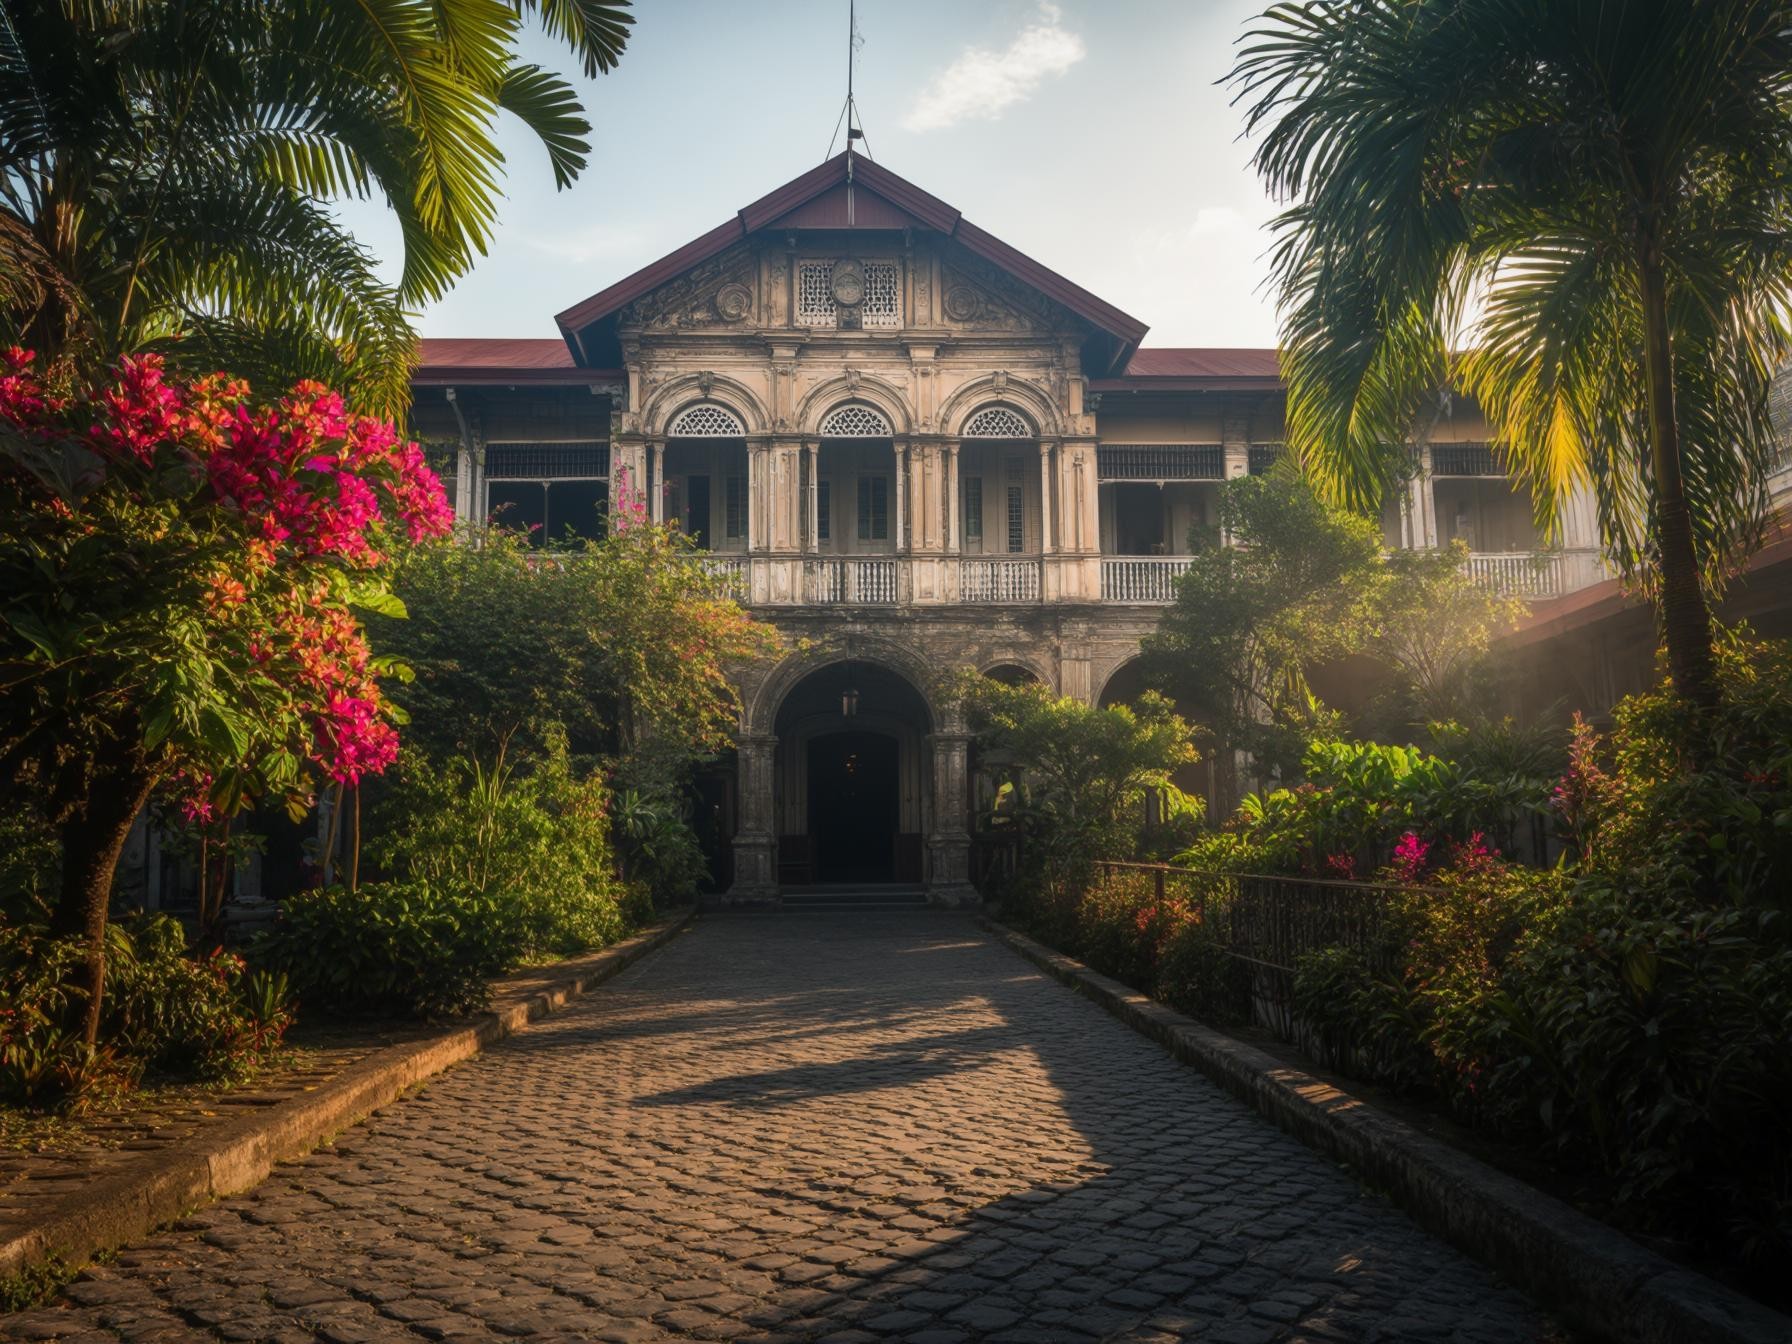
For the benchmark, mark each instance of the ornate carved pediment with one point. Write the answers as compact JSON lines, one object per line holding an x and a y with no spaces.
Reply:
{"x":717,"y":293}
{"x":977,"y":296}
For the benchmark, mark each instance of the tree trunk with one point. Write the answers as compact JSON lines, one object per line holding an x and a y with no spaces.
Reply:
{"x":1685,"y":614}
{"x":92,"y":839}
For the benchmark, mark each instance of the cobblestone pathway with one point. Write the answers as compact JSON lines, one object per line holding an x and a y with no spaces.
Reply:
{"x":853,"y":1127}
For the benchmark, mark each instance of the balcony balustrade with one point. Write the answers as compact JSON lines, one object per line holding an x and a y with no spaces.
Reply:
{"x":884,"y":581}
{"x":733,"y":571}
{"x":1004,"y":580}
{"x":1536,"y":574}
{"x":1142,"y":578}
{"x":852,"y":581}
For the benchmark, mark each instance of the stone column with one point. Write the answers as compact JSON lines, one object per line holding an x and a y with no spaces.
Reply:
{"x":952,"y":509}
{"x":656,"y":502}
{"x":463,"y":486}
{"x":813,"y":530}
{"x":1427,"y":514}
{"x":949,"y":843}
{"x":901,"y":490}
{"x":756,"y":839}
{"x":1047,"y":516}
{"x":755,"y":497}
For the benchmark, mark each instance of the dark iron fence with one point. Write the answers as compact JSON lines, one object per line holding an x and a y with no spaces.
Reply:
{"x":1265,"y":923}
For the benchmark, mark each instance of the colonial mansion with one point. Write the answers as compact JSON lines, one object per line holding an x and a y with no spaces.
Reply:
{"x":913,"y":448}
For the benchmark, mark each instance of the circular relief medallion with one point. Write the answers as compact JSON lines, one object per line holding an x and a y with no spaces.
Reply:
{"x":961,"y":303}
{"x":849,"y":284}
{"x":733,"y":302}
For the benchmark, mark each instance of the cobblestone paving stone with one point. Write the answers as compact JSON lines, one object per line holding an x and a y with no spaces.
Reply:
{"x":851,"y":1127}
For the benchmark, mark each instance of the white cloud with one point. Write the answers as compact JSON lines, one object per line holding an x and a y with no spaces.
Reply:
{"x":981,"y":84}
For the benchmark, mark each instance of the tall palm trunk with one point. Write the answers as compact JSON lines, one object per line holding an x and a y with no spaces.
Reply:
{"x":93,"y":837}
{"x":1685,"y":614}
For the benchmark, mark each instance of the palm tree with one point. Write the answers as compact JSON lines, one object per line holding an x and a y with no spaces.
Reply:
{"x":1593,"y":199}
{"x":167,"y":171}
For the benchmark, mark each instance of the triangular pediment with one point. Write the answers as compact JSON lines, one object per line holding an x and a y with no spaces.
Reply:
{"x":849,"y":193}
{"x":848,"y":206}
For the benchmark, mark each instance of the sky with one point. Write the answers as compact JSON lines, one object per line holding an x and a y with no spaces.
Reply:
{"x":1093,"y":135}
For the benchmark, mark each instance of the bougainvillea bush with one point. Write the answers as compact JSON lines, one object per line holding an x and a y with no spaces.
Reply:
{"x":181,"y":567}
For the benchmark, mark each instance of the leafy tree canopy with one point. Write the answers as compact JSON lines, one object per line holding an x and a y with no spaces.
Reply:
{"x":626,"y":643}
{"x":1081,"y":772}
{"x":1578,"y":210}
{"x":166,"y":171}
{"x":1297,"y":588}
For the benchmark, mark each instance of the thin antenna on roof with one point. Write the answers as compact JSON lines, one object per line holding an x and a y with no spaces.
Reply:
{"x":849,"y":113}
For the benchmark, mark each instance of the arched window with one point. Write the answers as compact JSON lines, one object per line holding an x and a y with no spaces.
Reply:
{"x":706,"y":420}
{"x":854,"y":422}
{"x":997,"y":422}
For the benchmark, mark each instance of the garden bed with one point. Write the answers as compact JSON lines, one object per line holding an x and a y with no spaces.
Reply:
{"x":1601,"y":1279}
{"x":77,"y":1187}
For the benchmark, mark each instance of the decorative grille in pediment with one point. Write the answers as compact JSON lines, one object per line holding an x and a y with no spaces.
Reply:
{"x":997,"y":422}
{"x":706,"y":421}
{"x":815,"y":293}
{"x":854,"y":422}
{"x":883,"y":295}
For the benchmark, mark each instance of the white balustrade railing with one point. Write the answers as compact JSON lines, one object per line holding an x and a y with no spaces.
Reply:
{"x":998,"y":580}
{"x":732,"y":570}
{"x":1536,"y":574}
{"x":852,"y":581}
{"x":1142,"y":578}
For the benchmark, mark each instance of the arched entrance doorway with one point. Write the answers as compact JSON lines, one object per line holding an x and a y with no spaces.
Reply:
{"x":852,"y":778}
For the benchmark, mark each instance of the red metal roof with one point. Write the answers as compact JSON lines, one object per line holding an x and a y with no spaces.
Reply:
{"x":473,"y":361}
{"x":1195,"y":369}
{"x":901,"y":199}
{"x":1202,"y":362}
{"x":529,"y":352}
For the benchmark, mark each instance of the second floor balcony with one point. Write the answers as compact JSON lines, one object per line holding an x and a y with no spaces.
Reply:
{"x":878,"y":581}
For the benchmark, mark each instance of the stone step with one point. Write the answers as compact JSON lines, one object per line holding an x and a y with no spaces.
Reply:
{"x":844,"y":896}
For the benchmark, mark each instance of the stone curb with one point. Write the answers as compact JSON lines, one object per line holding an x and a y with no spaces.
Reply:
{"x":1599,"y":1279}
{"x":238,"y":1155}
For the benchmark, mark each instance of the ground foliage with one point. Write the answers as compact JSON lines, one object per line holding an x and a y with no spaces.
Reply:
{"x":478,"y":868}
{"x":168,"y":1011}
{"x":1626,"y":1013}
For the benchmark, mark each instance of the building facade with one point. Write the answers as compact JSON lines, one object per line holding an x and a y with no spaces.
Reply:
{"x":912,"y":449}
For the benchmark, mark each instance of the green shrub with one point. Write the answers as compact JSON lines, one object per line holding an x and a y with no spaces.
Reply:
{"x":1648,"y":1041}
{"x":202,"y":1018}
{"x":658,"y":849}
{"x":533,"y":837}
{"x":1197,"y":975}
{"x":420,"y":948}
{"x":488,"y":868}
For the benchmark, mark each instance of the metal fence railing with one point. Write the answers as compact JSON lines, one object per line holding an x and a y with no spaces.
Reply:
{"x":1266,"y":923}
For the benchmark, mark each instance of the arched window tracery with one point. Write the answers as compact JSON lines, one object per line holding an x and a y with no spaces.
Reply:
{"x":855,"y":421}
{"x":706,"y":420}
{"x":997,"y":422}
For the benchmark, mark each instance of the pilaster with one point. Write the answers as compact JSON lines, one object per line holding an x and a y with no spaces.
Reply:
{"x":949,"y":841}
{"x":756,"y":840}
